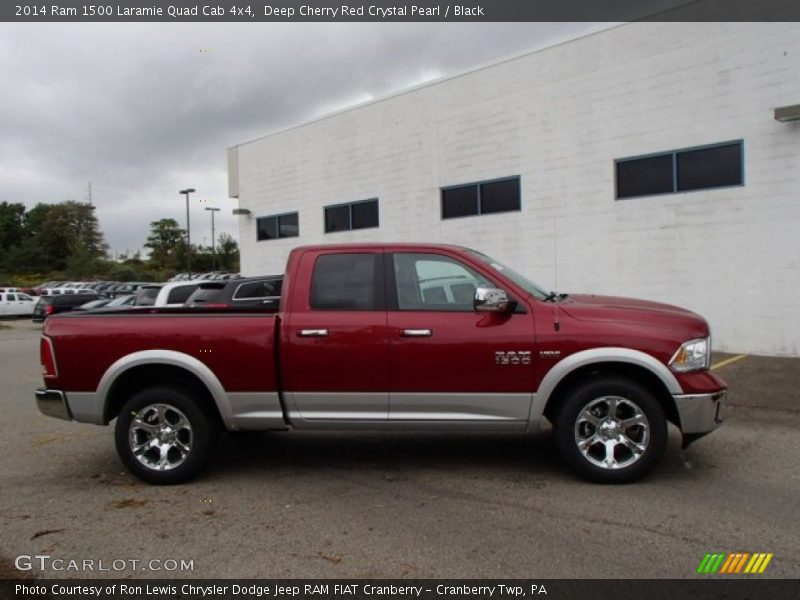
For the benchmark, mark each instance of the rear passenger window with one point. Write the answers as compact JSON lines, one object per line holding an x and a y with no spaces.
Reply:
{"x":347,"y":282}
{"x":258,"y":289}
{"x":180,"y":294}
{"x":146,"y":296}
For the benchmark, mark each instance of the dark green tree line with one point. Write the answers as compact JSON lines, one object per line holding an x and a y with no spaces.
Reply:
{"x":50,"y":237}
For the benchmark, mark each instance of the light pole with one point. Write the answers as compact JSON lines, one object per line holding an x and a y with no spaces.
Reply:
{"x":213,"y":240}
{"x":186,"y":193}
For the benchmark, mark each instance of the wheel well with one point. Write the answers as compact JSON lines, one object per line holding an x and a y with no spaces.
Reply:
{"x":139,"y":378}
{"x":639,"y":374}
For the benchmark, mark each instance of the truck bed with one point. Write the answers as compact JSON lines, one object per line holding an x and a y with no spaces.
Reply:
{"x":237,"y":347}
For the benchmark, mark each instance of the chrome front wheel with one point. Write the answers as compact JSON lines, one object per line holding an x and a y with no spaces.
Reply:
{"x":612,"y":432}
{"x":610,"y":429}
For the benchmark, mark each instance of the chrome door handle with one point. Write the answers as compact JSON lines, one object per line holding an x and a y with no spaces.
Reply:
{"x":313,"y":333}
{"x":416,"y":333}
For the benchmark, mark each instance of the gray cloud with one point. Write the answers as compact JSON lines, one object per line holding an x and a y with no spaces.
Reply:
{"x":143,"y":110}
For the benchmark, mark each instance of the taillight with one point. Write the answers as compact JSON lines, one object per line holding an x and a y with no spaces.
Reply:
{"x":47,"y":357}
{"x":49,"y":309}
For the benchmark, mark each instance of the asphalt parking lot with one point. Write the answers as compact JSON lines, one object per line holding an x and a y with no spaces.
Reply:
{"x":401,"y":505}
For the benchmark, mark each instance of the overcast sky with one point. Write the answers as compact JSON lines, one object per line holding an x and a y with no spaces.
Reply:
{"x":144,"y":110}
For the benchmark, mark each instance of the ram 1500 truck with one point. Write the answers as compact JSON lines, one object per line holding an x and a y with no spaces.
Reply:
{"x":394,"y":336}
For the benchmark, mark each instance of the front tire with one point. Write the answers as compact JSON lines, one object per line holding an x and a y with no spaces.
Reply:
{"x":611,"y":430}
{"x":164,"y":436}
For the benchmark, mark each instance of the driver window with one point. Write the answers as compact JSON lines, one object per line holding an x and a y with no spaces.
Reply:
{"x":434,"y":282}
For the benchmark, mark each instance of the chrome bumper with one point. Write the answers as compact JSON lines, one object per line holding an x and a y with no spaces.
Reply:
{"x":700,"y":413}
{"x":53,"y":403}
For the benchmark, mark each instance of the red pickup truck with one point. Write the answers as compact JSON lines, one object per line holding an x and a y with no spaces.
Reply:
{"x":394,"y":336}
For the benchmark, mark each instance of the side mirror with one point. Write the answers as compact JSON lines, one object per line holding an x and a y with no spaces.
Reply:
{"x":490,"y":300}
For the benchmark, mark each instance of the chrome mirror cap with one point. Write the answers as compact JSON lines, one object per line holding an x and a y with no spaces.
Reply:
{"x":490,"y":300}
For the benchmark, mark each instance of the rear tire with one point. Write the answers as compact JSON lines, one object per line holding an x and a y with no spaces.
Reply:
{"x":164,"y":435}
{"x":611,"y":429}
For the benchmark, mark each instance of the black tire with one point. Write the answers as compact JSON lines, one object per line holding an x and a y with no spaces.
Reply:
{"x":585,"y":415}
{"x":189,"y":446}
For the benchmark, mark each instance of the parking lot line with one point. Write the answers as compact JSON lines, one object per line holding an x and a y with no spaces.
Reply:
{"x":728,"y":361}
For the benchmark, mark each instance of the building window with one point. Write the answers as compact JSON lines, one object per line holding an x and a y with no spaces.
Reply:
{"x":482,"y":198}
{"x":353,"y":215}
{"x":277,"y":226}
{"x":707,"y":167}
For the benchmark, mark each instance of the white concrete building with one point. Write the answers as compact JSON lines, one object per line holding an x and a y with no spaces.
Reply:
{"x":559,"y":122}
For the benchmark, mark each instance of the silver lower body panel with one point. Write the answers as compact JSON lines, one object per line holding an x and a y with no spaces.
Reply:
{"x":256,"y":411}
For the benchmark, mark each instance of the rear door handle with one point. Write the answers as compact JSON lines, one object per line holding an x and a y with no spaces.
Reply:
{"x":416,"y":333}
{"x":313,"y":333}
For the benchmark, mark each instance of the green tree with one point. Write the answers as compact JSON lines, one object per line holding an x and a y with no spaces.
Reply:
{"x":228,"y":252}
{"x":34,"y":219}
{"x":25,"y":257}
{"x":202,"y":259}
{"x":81,"y":262}
{"x":12,"y":225}
{"x":166,"y":244}
{"x":66,"y":227}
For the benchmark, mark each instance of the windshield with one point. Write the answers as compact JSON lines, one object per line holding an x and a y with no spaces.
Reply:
{"x":536,"y":290}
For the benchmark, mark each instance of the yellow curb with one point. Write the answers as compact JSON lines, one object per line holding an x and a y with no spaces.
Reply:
{"x":728,"y":361}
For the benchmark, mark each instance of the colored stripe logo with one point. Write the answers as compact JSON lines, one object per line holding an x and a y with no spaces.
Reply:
{"x":736,"y":562}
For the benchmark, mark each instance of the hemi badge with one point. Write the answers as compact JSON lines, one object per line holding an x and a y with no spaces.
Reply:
{"x":550,"y":353}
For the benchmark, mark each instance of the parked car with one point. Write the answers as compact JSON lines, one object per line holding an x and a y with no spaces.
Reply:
{"x":128,"y":288}
{"x":458,"y":289}
{"x":179,"y":277}
{"x":111,"y":290}
{"x":111,"y":304}
{"x":172,"y":293}
{"x":56,"y":291}
{"x":16,"y":304}
{"x":46,"y":285}
{"x":147,"y":294}
{"x":250,"y":292}
{"x":357,"y":344}
{"x":51,"y":305}
{"x":121,"y":301}
{"x":103,"y":286}
{"x":92,"y":304}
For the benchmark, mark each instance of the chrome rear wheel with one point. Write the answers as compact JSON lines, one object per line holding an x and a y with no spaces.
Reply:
{"x":166,"y":433}
{"x":160,"y":437}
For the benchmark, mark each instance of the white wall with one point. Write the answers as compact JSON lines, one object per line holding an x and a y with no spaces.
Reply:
{"x":558,"y":118}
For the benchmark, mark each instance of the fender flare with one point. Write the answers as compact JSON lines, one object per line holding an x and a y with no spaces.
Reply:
{"x":171,"y":358}
{"x":596,"y":355}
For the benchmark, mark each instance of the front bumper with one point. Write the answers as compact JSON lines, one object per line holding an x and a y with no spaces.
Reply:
{"x":700,"y":414}
{"x":53,"y":403}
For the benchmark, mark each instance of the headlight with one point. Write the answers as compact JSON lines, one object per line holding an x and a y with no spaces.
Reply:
{"x":693,"y":355}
